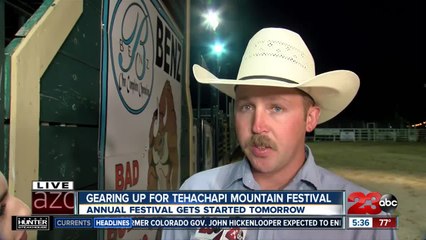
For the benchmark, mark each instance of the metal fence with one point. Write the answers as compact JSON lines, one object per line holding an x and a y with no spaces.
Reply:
{"x":369,"y":134}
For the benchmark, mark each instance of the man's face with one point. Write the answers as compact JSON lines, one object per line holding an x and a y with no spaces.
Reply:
{"x":271,"y":124}
{"x":3,"y":196}
{"x":10,"y":206}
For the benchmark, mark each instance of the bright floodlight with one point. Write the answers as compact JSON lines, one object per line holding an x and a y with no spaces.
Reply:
{"x":212,"y":19}
{"x":218,"y":48}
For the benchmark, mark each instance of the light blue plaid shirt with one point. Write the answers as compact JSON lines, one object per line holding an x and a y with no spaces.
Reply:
{"x":238,"y":176}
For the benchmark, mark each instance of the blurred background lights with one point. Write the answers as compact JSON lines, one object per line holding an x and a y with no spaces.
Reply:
{"x":212,"y":19}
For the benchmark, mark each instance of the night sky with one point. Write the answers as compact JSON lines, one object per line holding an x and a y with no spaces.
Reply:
{"x":383,"y":42}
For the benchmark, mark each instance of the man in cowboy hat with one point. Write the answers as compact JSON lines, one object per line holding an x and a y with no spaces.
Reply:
{"x":278,"y":98}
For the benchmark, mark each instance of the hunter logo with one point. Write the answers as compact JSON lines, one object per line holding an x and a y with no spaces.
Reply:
{"x":30,"y":222}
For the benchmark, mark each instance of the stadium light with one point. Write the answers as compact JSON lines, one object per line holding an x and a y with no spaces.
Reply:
{"x":218,"y":48}
{"x":212,"y":19}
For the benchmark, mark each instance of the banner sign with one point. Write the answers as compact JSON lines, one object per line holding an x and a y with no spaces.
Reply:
{"x":142,"y":71}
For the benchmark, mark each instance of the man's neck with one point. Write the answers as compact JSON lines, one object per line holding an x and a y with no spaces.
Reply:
{"x":276,"y":181}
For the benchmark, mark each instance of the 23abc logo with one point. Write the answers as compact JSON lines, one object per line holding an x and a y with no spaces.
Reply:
{"x":372,"y":203}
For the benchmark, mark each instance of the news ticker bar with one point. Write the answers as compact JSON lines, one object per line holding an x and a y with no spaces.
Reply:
{"x":50,"y":222}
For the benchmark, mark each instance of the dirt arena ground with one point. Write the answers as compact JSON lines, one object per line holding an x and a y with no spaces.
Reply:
{"x":396,"y":168}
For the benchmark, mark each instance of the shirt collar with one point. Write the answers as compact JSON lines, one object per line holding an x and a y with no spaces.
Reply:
{"x":308,"y":177}
{"x":241,"y":173}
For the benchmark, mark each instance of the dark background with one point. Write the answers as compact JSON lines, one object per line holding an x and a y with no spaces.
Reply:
{"x":382,"y":41}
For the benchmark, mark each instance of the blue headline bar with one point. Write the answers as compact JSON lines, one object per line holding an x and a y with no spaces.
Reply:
{"x":211,"y":197}
{"x":112,"y":222}
{"x":197,"y":222}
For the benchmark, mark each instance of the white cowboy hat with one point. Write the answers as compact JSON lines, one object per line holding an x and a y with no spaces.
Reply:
{"x":279,"y":57}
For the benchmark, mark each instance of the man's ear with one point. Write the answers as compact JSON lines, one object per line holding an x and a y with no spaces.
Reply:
{"x":312,"y":117}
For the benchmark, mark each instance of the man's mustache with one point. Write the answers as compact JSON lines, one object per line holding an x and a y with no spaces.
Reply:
{"x":259,"y":140}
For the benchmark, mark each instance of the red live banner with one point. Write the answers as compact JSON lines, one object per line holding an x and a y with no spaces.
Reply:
{"x":52,"y":197}
{"x":53,"y":202}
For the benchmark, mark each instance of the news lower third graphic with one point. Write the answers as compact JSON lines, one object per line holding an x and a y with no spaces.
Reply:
{"x":373,"y":203}
{"x":196,"y":222}
{"x":49,"y":222}
{"x":56,"y":205}
{"x":195,"y":203}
